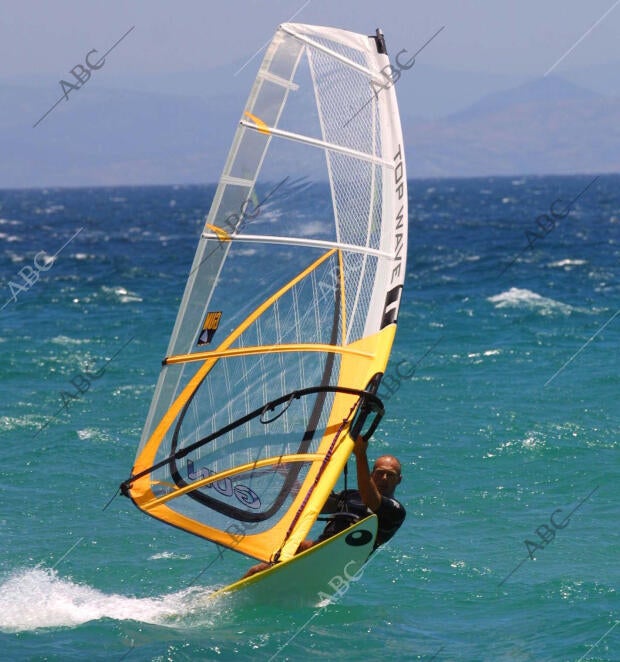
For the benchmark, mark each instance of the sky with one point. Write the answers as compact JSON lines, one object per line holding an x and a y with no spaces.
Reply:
{"x":192,"y":62}
{"x":493,"y":36}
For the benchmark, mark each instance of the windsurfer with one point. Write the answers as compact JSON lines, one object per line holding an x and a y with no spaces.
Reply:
{"x":375,"y":494}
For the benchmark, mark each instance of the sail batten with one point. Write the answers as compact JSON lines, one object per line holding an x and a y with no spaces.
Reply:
{"x":333,"y":147}
{"x":266,"y":75}
{"x":373,"y":75}
{"x":298,"y":241}
{"x":290,"y":308}
{"x":237,"y":181}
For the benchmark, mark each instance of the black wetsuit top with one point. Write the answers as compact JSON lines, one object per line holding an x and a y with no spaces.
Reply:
{"x":347,"y":508}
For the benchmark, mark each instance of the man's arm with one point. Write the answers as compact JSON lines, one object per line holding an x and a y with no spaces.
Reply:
{"x":365,"y":484}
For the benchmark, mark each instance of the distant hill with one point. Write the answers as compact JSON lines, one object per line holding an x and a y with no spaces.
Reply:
{"x":546,"y":126}
{"x":105,"y":137}
{"x":602,"y":78}
{"x":537,"y":91}
{"x":181,"y":133}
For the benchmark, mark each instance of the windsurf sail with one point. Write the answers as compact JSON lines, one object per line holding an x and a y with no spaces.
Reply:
{"x":289,"y":312}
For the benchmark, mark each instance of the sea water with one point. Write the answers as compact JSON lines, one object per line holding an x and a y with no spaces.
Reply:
{"x":502,"y":404}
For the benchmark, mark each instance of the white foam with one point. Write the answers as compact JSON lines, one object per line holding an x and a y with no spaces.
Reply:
{"x":568,"y":263}
{"x":9,"y":423}
{"x":168,"y":555}
{"x":38,"y":598}
{"x":123,"y":295}
{"x":50,"y":209}
{"x":478,"y":355}
{"x":311,"y":228}
{"x":15,"y":258}
{"x":9,"y":237}
{"x":518,"y":298}
{"x":66,"y":340}
{"x":94,"y":434}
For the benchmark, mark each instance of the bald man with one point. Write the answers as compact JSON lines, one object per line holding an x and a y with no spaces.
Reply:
{"x":375,"y":494}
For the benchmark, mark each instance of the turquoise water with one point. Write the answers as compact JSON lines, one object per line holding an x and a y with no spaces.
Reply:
{"x":504,"y":459}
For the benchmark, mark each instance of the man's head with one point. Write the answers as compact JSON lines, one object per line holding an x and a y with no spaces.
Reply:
{"x":386,"y":474}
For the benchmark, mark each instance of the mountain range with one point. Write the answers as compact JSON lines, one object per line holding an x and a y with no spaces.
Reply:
{"x":175,"y":129}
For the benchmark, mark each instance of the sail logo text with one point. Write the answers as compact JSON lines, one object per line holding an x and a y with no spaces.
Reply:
{"x":225,"y":487}
{"x":399,"y":176}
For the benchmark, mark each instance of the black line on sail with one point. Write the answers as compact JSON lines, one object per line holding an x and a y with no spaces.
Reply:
{"x":126,"y":485}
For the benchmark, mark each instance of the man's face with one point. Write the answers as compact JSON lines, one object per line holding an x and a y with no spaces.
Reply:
{"x":386,"y":475}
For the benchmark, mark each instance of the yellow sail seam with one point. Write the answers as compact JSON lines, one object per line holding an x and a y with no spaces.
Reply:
{"x":343,"y":299}
{"x":265,"y":349}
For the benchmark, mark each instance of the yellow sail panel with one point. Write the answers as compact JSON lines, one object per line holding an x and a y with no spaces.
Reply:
{"x":251,"y":484}
{"x":169,"y":472}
